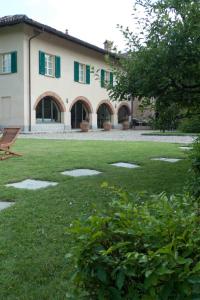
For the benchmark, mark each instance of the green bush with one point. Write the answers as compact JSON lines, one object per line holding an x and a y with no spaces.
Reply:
{"x":194,"y":184}
{"x":190,"y":125}
{"x":166,"y":117}
{"x":140,"y":247}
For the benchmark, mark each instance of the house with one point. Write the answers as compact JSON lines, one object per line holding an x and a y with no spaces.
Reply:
{"x":51,"y":81}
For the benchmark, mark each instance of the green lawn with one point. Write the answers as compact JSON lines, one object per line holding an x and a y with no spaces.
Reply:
{"x":33,"y":239}
{"x":170,"y":133}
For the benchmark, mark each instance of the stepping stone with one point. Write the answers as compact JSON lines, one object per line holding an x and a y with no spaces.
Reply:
{"x":171,"y":160}
{"x":4,"y":205}
{"x":185,"y":148}
{"x":31,"y":184}
{"x":81,"y":172}
{"x":125,"y":165}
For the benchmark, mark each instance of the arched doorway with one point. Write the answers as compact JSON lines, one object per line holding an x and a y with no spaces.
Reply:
{"x":79,"y":112}
{"x":104,"y":113}
{"x":123,"y":113}
{"x":48,"y":111}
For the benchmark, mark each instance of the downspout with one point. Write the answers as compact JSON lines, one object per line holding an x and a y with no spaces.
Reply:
{"x":29,"y":74}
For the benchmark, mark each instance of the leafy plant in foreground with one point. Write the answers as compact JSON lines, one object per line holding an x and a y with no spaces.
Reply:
{"x":140,"y":247}
{"x":194,"y":185}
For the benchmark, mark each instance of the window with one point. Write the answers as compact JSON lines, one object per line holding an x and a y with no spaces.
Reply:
{"x":8,"y":63}
{"x":49,"y":65}
{"x":106,"y":78}
{"x":81,"y":73}
{"x":47,"y":111}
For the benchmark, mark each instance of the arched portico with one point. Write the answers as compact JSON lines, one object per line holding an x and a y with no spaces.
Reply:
{"x":105,"y":112}
{"x":81,"y":109}
{"x":49,"y":108}
{"x":123,"y":112}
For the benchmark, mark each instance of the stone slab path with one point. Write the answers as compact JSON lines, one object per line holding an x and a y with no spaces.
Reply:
{"x":80,"y":172}
{"x":125,"y":165}
{"x":4,"y":204}
{"x":171,"y":160}
{"x":113,"y":135}
{"x":31,"y":184}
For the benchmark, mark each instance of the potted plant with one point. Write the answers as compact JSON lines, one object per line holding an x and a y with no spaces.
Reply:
{"x":107,"y":125}
{"x":85,"y":125}
{"x":125,"y":124}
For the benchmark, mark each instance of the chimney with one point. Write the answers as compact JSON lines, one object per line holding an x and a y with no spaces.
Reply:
{"x":66,"y":31}
{"x":108,"y":45}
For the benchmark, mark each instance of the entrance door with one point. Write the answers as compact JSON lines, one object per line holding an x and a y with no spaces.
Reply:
{"x":103,"y":114}
{"x":78,"y":114}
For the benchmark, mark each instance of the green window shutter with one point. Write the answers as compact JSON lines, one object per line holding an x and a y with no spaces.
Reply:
{"x":102,"y":78}
{"x":76,"y":71}
{"x":14,"y":62}
{"x":87,"y":74}
{"x":57,"y":66}
{"x":111,"y":78}
{"x":41,"y":63}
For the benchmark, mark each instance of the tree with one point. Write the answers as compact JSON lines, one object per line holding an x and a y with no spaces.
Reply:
{"x":163,"y":61}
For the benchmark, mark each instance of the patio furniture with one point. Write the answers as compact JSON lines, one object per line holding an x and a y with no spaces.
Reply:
{"x":7,"y":140}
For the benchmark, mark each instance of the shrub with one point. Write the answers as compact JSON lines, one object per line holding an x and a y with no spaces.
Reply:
{"x":190,"y":125}
{"x":141,"y":247}
{"x":166,"y":117}
{"x":194,"y":184}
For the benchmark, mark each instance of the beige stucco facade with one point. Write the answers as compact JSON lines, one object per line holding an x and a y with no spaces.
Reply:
{"x":17,"y":108}
{"x":12,"y":108}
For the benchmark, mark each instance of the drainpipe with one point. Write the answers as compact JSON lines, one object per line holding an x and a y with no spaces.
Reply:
{"x":29,"y":73}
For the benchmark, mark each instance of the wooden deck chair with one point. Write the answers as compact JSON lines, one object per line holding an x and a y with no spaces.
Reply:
{"x":8,"y":138}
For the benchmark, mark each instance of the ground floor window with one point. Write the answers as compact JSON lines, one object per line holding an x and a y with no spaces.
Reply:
{"x":103,"y":115}
{"x":79,"y":113}
{"x":47,"y":111}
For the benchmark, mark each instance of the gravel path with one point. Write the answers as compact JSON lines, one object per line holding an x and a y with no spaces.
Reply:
{"x":113,"y":135}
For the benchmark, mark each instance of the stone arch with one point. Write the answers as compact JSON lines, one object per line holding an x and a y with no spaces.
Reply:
{"x":105,"y":112}
{"x":81,"y":110}
{"x":55,"y":97}
{"x":85,"y":101}
{"x":108,"y":104}
{"x":124,"y":103}
{"x":123,"y":112}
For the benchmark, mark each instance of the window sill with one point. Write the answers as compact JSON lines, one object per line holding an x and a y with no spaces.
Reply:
{"x":49,"y":76}
{"x":81,"y":82}
{"x":8,"y":73}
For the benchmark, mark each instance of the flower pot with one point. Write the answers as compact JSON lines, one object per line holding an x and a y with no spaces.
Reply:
{"x":84,"y":126}
{"x":125,"y":125}
{"x":107,"y":126}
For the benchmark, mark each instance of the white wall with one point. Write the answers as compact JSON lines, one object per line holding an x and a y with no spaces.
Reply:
{"x":65,"y":86}
{"x":14,"y":88}
{"x":11,"y":85}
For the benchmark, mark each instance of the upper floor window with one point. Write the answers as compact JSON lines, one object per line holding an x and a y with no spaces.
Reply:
{"x":81,"y":73}
{"x":49,"y":65}
{"x":8,"y":63}
{"x":106,"y":78}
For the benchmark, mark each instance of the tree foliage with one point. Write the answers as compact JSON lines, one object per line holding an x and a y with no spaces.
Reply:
{"x":163,"y":60}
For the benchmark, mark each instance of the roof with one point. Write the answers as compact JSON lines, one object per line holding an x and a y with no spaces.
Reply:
{"x":23,"y":19}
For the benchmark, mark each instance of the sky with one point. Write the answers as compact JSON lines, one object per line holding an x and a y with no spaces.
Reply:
{"x":93,"y":21}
